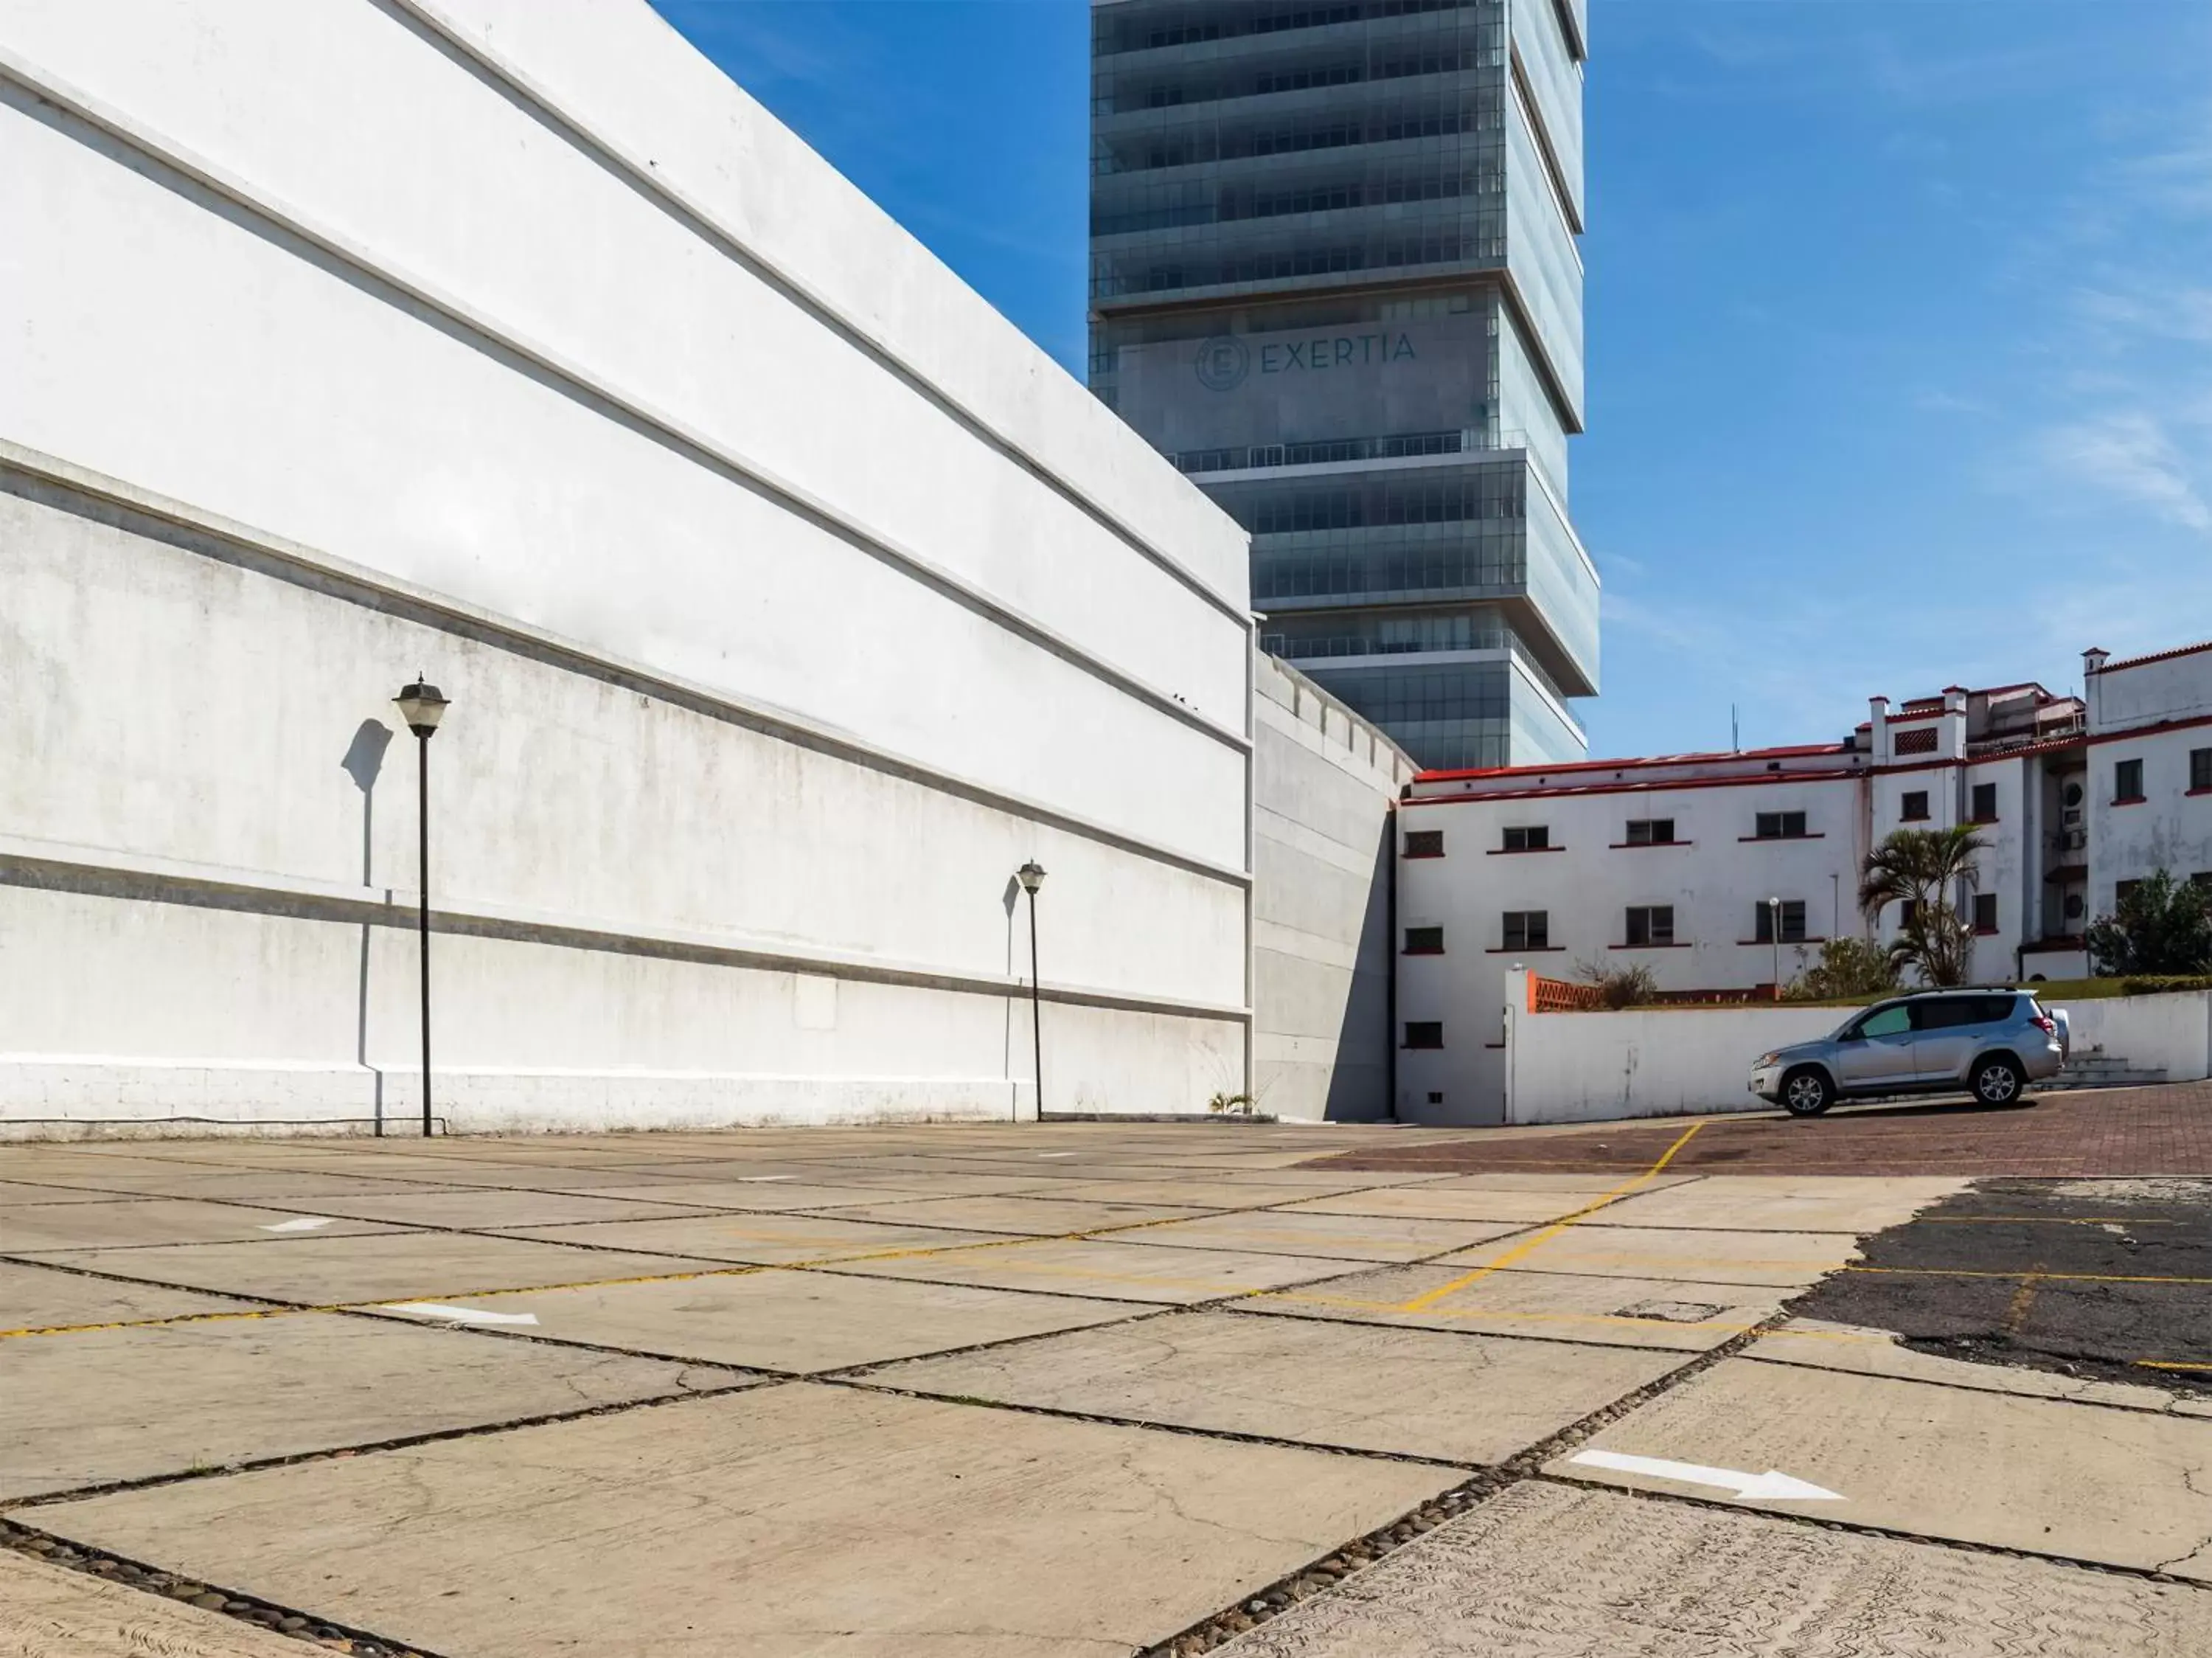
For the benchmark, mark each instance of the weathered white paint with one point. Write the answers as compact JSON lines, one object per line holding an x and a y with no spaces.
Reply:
{"x":2172,"y":1033}
{"x":1326,"y":784}
{"x":789,"y":599}
{"x":2157,"y":710}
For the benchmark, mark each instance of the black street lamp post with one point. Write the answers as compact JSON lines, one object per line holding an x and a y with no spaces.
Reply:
{"x":1031,"y":875}
{"x":421,"y":707}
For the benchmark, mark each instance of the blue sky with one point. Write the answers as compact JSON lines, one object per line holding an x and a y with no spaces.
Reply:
{"x":1900,"y":315}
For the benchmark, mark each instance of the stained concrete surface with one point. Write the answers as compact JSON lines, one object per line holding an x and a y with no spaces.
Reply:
{"x":1037,"y":1217}
{"x":1551,"y":1340}
{"x":1778,"y":1259}
{"x":763,"y":1238}
{"x":1111,"y":1268}
{"x":795,"y":1321}
{"x":1541,"y":1571}
{"x":2084,"y":1482}
{"x":316,"y":1270}
{"x":47,"y":1612}
{"x":1413,"y":1393}
{"x":130,"y":1222}
{"x":2102,"y":1281}
{"x":1820,"y":1344}
{"x":1338,"y":1237}
{"x":783,"y":1521}
{"x":1682,"y":1316}
{"x":133,"y":1403}
{"x":44,"y":1297}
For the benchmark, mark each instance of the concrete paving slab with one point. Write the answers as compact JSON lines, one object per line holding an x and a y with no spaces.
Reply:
{"x":1781,"y":1203}
{"x":1610,"y":1312}
{"x":1117,"y":1270}
{"x":315,"y":1270}
{"x":22,"y":1194}
{"x":1595,"y":1183}
{"x":777,"y":1522}
{"x":2081,"y":1481}
{"x":1035,"y":1217}
{"x":1543,"y":1569}
{"x":777,"y":1240}
{"x":1340,"y":1237}
{"x":1202,"y":1192}
{"x":1784,"y":1259}
{"x":248,"y":1185}
{"x":49,"y":1612}
{"x":490,"y":1209}
{"x":801,"y":1323}
{"x":1420,"y":1204}
{"x":45,"y":1298}
{"x":886,"y":1186}
{"x":122,"y":1405}
{"x":764,"y":1196}
{"x":1819,"y":1345}
{"x":1411,"y":1392}
{"x":130,"y":1221}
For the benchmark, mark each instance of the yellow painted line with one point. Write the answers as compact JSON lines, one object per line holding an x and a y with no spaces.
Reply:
{"x":1423,"y":1302}
{"x":2022,"y":1299}
{"x":2045,"y":1277}
{"x":2173,"y":1364}
{"x":2038,"y":1220}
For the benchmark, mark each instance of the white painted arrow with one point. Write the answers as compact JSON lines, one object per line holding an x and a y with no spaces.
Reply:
{"x":760,"y":1179}
{"x":1748,"y":1488}
{"x":459,"y":1314}
{"x":305,"y":1223}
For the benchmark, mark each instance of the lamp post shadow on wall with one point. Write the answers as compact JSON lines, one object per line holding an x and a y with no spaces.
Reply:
{"x":422,"y":707}
{"x":1031,"y":876}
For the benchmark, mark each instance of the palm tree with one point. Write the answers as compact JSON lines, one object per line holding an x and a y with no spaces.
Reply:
{"x":1923,"y":868}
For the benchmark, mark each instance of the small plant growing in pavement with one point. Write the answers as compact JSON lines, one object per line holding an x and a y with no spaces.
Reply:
{"x":1231,"y":1105}
{"x":2161,"y":926}
{"x":1923,"y":869}
{"x":1619,"y":987}
{"x":1847,"y":968}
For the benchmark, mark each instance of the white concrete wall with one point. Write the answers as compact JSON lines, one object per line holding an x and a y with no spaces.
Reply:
{"x":788,"y":596}
{"x":1327,"y":784}
{"x":1599,"y":1067}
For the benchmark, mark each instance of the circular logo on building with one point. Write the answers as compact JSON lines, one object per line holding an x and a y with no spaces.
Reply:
{"x":1222,"y":362}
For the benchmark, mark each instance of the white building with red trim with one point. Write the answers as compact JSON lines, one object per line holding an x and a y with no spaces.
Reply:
{"x":1726,"y":872}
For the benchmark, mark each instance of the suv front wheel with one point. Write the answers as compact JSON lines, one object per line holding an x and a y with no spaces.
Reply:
{"x":1806,"y":1093}
{"x":1997,"y":1079}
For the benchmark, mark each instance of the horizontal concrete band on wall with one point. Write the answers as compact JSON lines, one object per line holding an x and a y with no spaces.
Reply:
{"x":57,"y":482}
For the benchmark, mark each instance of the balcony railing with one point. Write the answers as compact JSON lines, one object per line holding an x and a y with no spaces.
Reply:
{"x":1336,"y":451}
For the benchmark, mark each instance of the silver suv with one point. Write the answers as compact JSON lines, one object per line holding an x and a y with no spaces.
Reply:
{"x":1992,"y":1043}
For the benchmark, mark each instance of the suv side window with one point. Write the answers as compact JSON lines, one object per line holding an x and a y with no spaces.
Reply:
{"x":1945,"y":1013}
{"x":1886,"y":1021}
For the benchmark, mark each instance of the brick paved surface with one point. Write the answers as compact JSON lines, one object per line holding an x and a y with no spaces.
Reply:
{"x":2108,"y":1131}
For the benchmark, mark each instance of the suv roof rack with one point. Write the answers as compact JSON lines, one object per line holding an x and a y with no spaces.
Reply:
{"x":1956,"y":990}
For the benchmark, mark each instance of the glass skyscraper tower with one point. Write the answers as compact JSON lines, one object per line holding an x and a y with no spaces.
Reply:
{"x":1333,"y":277}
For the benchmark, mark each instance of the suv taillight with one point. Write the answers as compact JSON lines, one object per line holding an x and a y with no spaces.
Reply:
{"x":2046,"y":1023}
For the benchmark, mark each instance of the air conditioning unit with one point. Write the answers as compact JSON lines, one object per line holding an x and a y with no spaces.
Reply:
{"x":2073,"y":840}
{"x":2071,"y":817}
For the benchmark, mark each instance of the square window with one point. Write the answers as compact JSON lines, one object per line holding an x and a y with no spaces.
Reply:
{"x":1650,"y":924}
{"x":1424,"y":1032}
{"x":1985,"y":912}
{"x":2200,"y":769}
{"x":1906,"y":910}
{"x":2122,"y":889}
{"x":1780,"y":826}
{"x":1529,"y":837}
{"x":2127,"y":782}
{"x":1425,"y":940}
{"x":1985,"y":802}
{"x":1793,"y":922}
{"x":1424,"y":843}
{"x":1912,"y":807}
{"x":1651,"y":832}
{"x":1527,"y":930}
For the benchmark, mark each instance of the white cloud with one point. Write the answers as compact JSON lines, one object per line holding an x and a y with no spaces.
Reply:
{"x":2130,"y":455}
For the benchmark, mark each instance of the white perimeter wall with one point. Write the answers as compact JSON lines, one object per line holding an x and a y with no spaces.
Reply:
{"x":1598,"y":1067}
{"x":789,"y":598}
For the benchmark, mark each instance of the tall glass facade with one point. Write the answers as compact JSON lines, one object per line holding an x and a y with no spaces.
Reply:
{"x":1334,"y":277}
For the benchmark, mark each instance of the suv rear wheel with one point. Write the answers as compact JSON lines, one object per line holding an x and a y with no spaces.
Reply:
{"x":1997,"y":1079}
{"x":1806,"y":1093}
